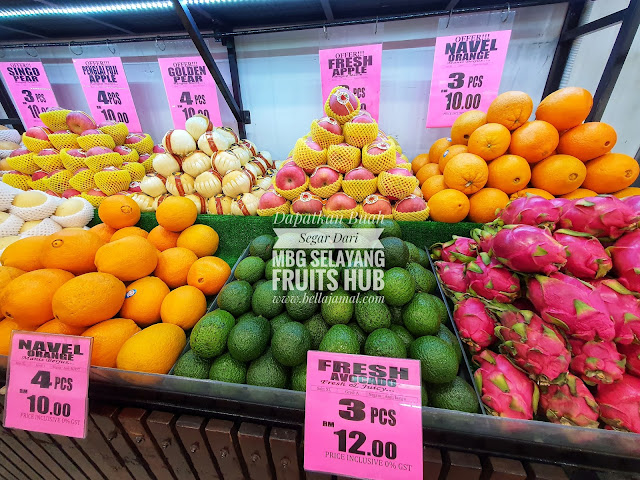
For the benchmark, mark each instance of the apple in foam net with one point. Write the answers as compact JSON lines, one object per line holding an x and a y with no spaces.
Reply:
{"x":134,"y":187}
{"x":412,"y":203}
{"x":96,"y":192}
{"x":143,"y":158}
{"x":77,"y":152}
{"x":91,"y":131}
{"x":122,"y":150}
{"x":133,"y":138}
{"x":78,"y":122}
{"x":62,"y":132}
{"x":363,"y":117}
{"x":291,"y":177}
{"x":52,"y":193}
{"x":376,"y":204}
{"x":70,"y":192}
{"x":48,"y":151}
{"x":38,"y":175}
{"x":340,"y":201}
{"x":98,"y":151}
{"x":378,"y":148}
{"x":359,"y":173}
{"x":18,"y":152}
{"x":271,"y":199}
{"x":159,"y":149}
{"x":330,"y":125}
{"x":313,"y":145}
{"x":307,"y":202}
{"x":400,"y":171}
{"x":339,"y":99}
{"x":41,"y":133}
{"x":323,"y":176}
{"x":108,"y":123}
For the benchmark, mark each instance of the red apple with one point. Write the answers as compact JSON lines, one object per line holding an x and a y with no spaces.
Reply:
{"x":48,"y":151}
{"x":91,"y":131}
{"x":330,"y":125}
{"x":77,"y":152}
{"x":271,"y":199}
{"x":363,"y":117}
{"x":98,"y":151}
{"x":287,"y":163}
{"x":313,"y":145}
{"x":290,"y":178}
{"x":309,"y":170}
{"x":340,"y":201}
{"x":359,"y":173}
{"x":78,"y":122}
{"x":133,"y":138}
{"x":49,"y":175}
{"x":159,"y":149}
{"x":339,"y":99}
{"x":38,"y":175}
{"x":399,"y":159}
{"x":143,"y":158}
{"x":376,"y":204}
{"x":108,"y":123}
{"x":307,"y":202}
{"x":412,"y":203}
{"x":400,"y":171}
{"x":19,"y":151}
{"x":96,"y":192}
{"x":324,"y":176}
{"x":134,"y":187}
{"x":41,"y":133}
{"x":71,"y":192}
{"x":122,"y":150}
{"x":378,"y":148}
{"x":61,"y":132}
{"x":52,"y":193}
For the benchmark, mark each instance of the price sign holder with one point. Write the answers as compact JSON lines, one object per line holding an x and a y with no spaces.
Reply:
{"x":363,"y":416}
{"x":48,"y":383}
{"x":107,"y":91}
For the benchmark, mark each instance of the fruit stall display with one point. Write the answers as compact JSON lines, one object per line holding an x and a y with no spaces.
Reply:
{"x":346,"y":167}
{"x":496,"y":155}
{"x":547,"y":302}
{"x":10,"y":140}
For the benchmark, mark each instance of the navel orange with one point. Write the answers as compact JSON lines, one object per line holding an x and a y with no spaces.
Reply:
{"x":558,"y":174}
{"x":509,"y":173}
{"x":511,"y":109}
{"x":129,"y":232}
{"x":119,"y":211}
{"x":143,"y":300}
{"x":128,"y":259}
{"x":71,"y":250}
{"x":465,"y":125}
{"x":489,"y":141}
{"x":183,"y":306}
{"x":588,"y":141}
{"x":140,"y":352}
{"x":534,"y":141}
{"x":108,"y":338}
{"x":200,"y":239}
{"x":485,"y":204}
{"x":433,"y":185}
{"x":565,"y":108}
{"x":208,"y":274}
{"x":173,"y":266}
{"x":24,"y":254}
{"x":449,"y":206}
{"x":609,"y":173}
{"x":466,"y":172}
{"x":438,"y":148}
{"x":449,"y":153}
{"x":176,"y":213}
{"x":161,"y":238}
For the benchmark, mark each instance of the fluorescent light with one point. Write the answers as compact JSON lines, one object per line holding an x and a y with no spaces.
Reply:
{"x":72,"y":10}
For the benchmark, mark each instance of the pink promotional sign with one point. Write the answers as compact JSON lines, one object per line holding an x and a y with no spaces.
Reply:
{"x":190,"y":89}
{"x":30,"y":89}
{"x":363,"y":416}
{"x":467,"y":70}
{"x":358,"y":69}
{"x":107,"y":91}
{"x":47,"y":383}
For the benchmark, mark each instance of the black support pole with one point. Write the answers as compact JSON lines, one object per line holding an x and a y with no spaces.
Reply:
{"x":230,"y":43}
{"x":10,"y":110}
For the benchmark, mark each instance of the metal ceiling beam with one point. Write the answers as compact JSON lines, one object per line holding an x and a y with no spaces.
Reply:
{"x":594,"y":26}
{"x":24,"y":32}
{"x":326,"y":7}
{"x":92,"y":19}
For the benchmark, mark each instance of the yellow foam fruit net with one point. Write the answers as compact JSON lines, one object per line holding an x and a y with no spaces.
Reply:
{"x":143,"y":146}
{"x":17,"y":180}
{"x":94,"y":200}
{"x":64,"y":140}
{"x":132,"y":156}
{"x":371,"y":216}
{"x":360,"y":189}
{"x":112,"y":182}
{"x":306,"y":157}
{"x":360,"y":134}
{"x":411,"y":216}
{"x":381,"y":162}
{"x":98,"y":162}
{"x":395,"y":142}
{"x":49,"y":163}
{"x":136,"y":170}
{"x":40,"y":184}
{"x":70,"y":162}
{"x":148,"y":163}
{"x":406,"y":166}
{"x":396,"y":186}
{"x":24,"y":163}
{"x":55,"y":119}
{"x":95,"y":140}
{"x":83,"y":181}
{"x":351,"y":213}
{"x":270,"y":212}
{"x":118,"y":132}
{"x":291,"y":194}
{"x":59,"y":182}
{"x":323,"y":137}
{"x":327,"y":190}
{"x":35,"y":144}
{"x":343,"y":158}
{"x":342,"y":95}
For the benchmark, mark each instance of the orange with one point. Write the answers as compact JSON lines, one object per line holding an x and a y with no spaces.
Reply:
{"x":129,"y":232}
{"x":208,"y":274}
{"x":184,"y":306}
{"x":511,"y":109}
{"x":587,"y":141}
{"x":609,"y":173}
{"x":485,"y":204}
{"x":565,"y":108}
{"x":143,"y":300}
{"x":176,"y":213}
{"x":7,"y":274}
{"x":534,"y":141}
{"x":129,"y":258}
{"x":465,"y":125}
{"x":71,"y":250}
{"x":438,"y":148}
{"x":88,"y":299}
{"x":161,"y":238}
{"x":433,"y":185}
{"x":173,"y":266}
{"x":6,"y":327}
{"x":152,"y":350}
{"x":108,"y":338}
{"x":449,"y":153}
{"x":200,"y":239}
{"x":27,"y":299}
{"x":56,"y":326}
{"x":429,"y":170}
{"x":420,"y":161}
{"x":558,"y":174}
{"x":509,"y":173}
{"x":466,"y":172}
{"x":579,"y":193}
{"x":104,"y":231}
{"x":489,"y":141}
{"x":627,"y":192}
{"x":532,"y":191}
{"x":119,"y":211}
{"x":24,"y":254}
{"x":449,"y":206}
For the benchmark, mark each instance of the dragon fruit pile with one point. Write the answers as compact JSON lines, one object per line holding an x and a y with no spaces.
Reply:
{"x":547,"y":300}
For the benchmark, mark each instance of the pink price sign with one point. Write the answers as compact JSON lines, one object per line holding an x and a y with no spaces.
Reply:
{"x":190,"y":89}
{"x":106,"y":89}
{"x":30,"y":90}
{"x":358,"y":69}
{"x":467,"y":70}
{"x":363,"y":416}
{"x":47,"y":383}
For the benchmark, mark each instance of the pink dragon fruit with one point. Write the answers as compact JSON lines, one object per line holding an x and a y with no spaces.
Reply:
{"x":528,"y":249}
{"x":570,"y":404}
{"x":597,"y":363}
{"x":505,"y":390}
{"x":633,"y":202}
{"x":460,"y":250}
{"x":491,"y":280}
{"x":625,"y":254}
{"x":533,"y":345}
{"x":475,"y":325}
{"x":452,"y":277}
{"x":623,"y":307}
{"x":601,"y":216}
{"x":561,"y":204}
{"x":620,"y":404}
{"x":586,"y":257}
{"x":484,"y":237}
{"x":533,"y":210}
{"x":571,"y":305}
{"x":632,"y":352}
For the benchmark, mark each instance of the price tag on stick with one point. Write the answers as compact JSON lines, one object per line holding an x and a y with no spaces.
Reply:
{"x":363,"y":416}
{"x":30,"y":90}
{"x":107,"y":91}
{"x":47,"y":383}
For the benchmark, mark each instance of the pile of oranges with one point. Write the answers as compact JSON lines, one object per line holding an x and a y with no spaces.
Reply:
{"x":134,"y":292}
{"x":499,"y":154}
